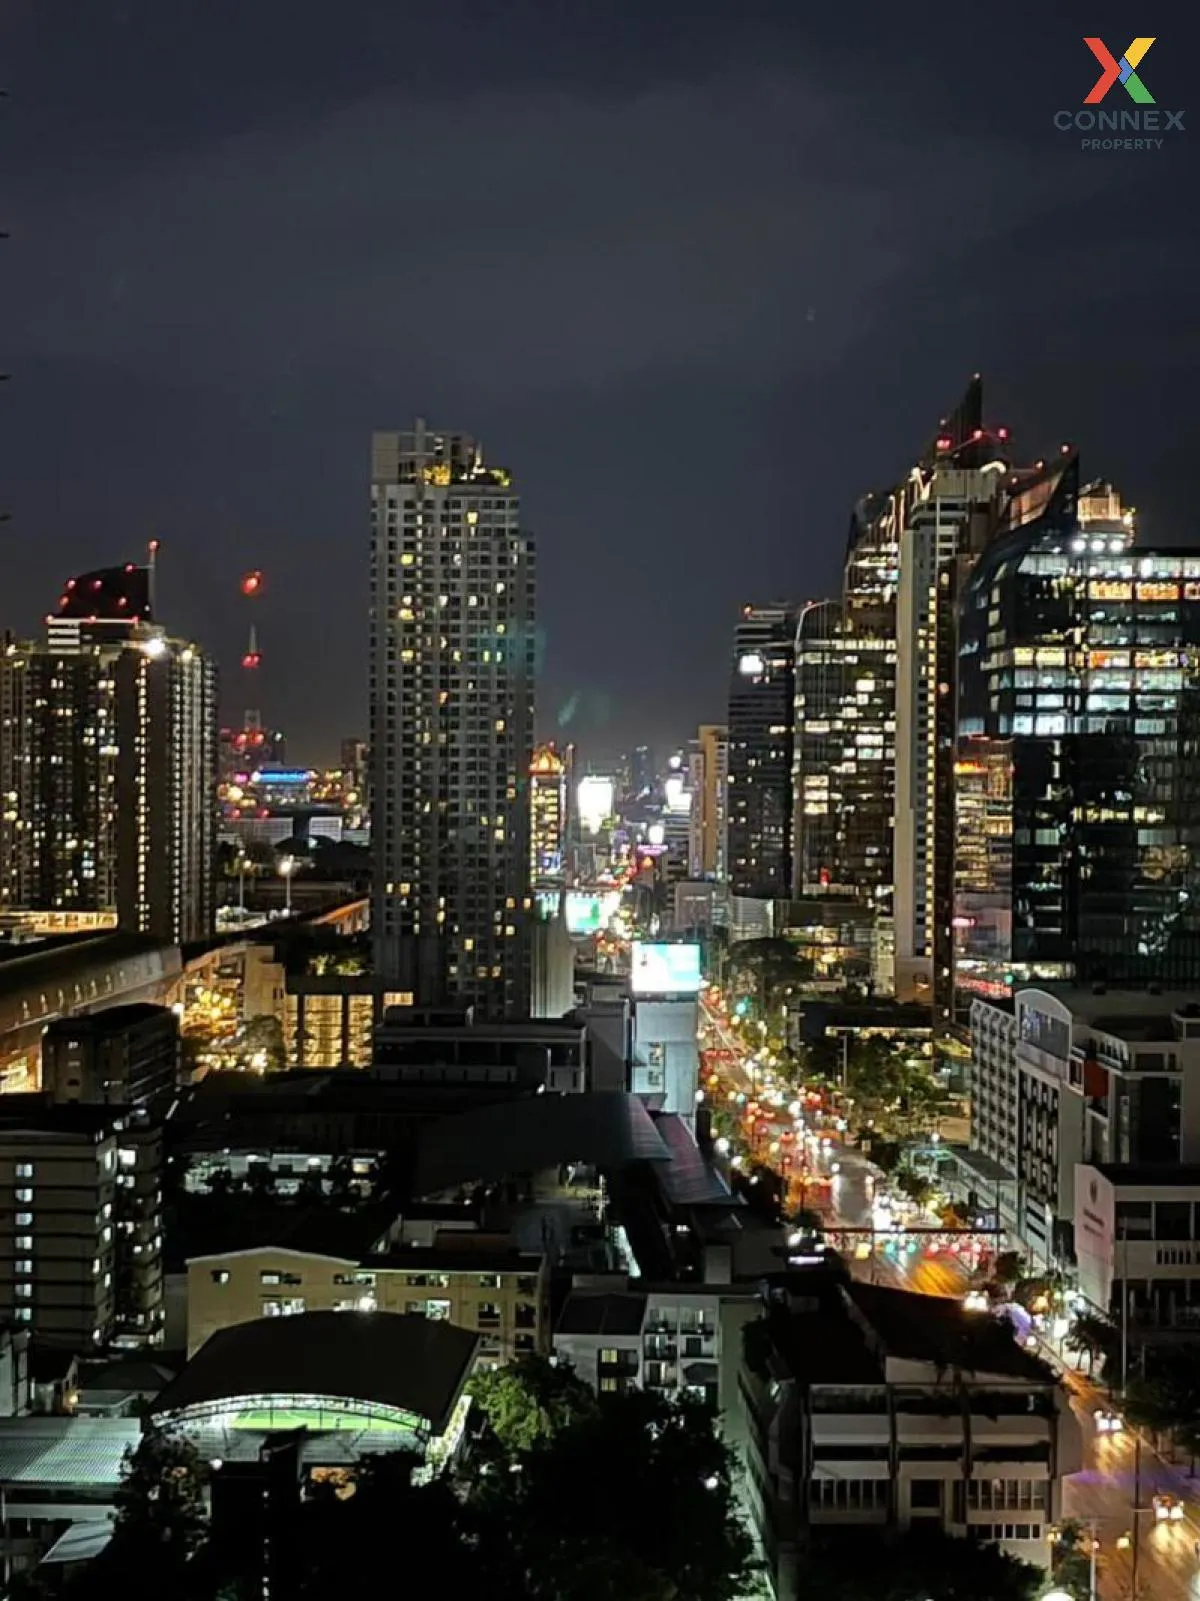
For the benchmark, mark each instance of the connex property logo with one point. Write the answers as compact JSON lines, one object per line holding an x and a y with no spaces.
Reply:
{"x":1141,"y":127}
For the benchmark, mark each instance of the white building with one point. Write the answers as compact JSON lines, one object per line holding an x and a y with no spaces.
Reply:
{"x":666,"y":1059}
{"x":452,"y":652}
{"x":1139,"y":1227}
{"x":881,"y":1409}
{"x":674,"y":1339}
{"x":1061,"y":1076}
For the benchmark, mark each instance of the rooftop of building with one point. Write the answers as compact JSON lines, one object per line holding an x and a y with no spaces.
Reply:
{"x":457,"y":1253}
{"x":845,"y":1332}
{"x":1150,"y":1175}
{"x":35,"y":1113}
{"x":404,"y":1021}
{"x":605,"y":1129}
{"x":112,"y":1020}
{"x":65,"y":1451}
{"x":218,"y":1226}
{"x":938,"y":1329}
{"x":28,"y":967}
{"x":607,"y":1312}
{"x":1125,"y":1013}
{"x":410,"y":1364}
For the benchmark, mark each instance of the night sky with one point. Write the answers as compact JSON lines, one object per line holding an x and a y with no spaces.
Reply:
{"x":700,"y":274}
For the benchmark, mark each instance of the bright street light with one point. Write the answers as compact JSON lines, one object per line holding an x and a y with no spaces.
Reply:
{"x":287,"y":866}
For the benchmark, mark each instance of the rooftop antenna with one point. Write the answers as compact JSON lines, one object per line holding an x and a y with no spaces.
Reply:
{"x":152,"y":578}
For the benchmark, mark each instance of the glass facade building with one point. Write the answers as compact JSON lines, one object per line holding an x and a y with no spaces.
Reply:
{"x":761,"y":694}
{"x":1078,"y":750}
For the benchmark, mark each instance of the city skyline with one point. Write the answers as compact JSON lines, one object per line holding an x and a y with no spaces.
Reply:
{"x":224,"y":407}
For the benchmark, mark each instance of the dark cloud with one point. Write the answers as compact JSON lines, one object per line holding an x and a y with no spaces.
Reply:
{"x":698,"y":279}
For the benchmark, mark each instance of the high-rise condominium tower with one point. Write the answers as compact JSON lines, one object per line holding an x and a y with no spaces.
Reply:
{"x":708,"y":781}
{"x":451,"y":737}
{"x":761,"y":692}
{"x":108,"y":765}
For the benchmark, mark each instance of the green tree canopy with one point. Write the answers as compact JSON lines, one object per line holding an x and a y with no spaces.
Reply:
{"x":530,"y":1401}
{"x":658,"y":1514}
{"x":921,"y":1565}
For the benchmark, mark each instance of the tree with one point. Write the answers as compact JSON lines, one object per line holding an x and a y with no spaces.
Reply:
{"x":160,"y":1523}
{"x":1093,"y":1337}
{"x":658,"y":1519}
{"x":1166,"y":1397}
{"x":774,"y":965}
{"x":919,"y":1565}
{"x":763,"y":1190}
{"x":262,"y":1043}
{"x":1008,"y":1267}
{"x":916,"y":1186}
{"x":1072,"y":1561}
{"x":530,"y":1401}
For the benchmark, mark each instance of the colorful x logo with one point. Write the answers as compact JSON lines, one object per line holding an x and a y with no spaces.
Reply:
{"x":1114,"y":70}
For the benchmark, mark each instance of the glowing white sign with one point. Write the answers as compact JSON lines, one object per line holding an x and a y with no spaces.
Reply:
{"x":665,"y":969}
{"x":751,"y":665}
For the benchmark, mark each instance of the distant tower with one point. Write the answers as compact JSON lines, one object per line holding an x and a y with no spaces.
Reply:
{"x":451,"y":735}
{"x":108,"y":745}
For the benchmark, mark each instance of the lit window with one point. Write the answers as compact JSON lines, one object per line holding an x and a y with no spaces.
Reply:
{"x":24,"y":1170}
{"x":25,"y":1195}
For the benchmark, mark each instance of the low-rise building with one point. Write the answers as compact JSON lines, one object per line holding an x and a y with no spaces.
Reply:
{"x":1062,"y":1075}
{"x":123,"y":1056}
{"x":883,"y":1409}
{"x":478,"y":1282}
{"x":677,"y":1339}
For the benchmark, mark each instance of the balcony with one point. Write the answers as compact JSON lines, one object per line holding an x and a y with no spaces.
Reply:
{"x":660,"y":1350}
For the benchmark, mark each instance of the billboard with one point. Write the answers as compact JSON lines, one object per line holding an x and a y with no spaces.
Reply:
{"x":595,"y":797}
{"x":665,"y":969}
{"x":590,"y":913}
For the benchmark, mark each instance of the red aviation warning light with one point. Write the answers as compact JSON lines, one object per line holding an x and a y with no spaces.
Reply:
{"x":252,"y":583}
{"x":251,"y":659}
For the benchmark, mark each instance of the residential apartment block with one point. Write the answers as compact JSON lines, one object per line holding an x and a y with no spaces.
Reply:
{"x":676,"y":1339}
{"x":477,"y":1282}
{"x":81,"y":1230}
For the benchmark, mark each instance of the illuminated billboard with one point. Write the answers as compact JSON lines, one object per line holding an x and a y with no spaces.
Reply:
{"x":589,"y":913}
{"x":666,"y":969}
{"x":595,"y":797}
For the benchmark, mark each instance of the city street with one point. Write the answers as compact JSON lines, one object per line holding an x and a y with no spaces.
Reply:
{"x":1168,"y":1565}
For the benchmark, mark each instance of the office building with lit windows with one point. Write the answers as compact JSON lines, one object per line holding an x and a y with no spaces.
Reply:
{"x":108,"y":762}
{"x":845,"y":723}
{"x":761,"y":695}
{"x":451,"y":735}
{"x":1078,"y":754}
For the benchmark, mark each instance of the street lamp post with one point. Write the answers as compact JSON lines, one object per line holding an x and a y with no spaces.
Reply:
{"x":286,"y":868}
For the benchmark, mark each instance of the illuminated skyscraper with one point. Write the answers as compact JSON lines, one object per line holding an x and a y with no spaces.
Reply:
{"x":1078,"y":813}
{"x":761,"y":693}
{"x":451,"y":736}
{"x":845,"y":722}
{"x":708,"y":782}
{"x":108,"y":760}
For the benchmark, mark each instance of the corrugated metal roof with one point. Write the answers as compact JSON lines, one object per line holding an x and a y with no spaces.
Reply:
{"x":81,"y":1542}
{"x":64,"y":1450}
{"x":607,"y":1129}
